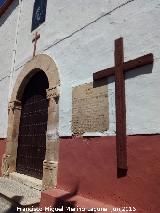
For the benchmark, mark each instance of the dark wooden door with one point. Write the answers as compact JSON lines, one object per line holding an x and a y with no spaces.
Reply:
{"x":33,"y":126}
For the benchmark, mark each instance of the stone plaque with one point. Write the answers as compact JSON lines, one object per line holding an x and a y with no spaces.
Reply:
{"x":89,"y":108}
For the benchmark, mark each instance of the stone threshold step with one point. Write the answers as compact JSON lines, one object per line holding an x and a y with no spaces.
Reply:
{"x":18,"y":192}
{"x":26,"y":180}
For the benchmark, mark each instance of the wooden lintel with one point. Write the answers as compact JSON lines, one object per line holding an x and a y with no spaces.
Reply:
{"x":132,"y":64}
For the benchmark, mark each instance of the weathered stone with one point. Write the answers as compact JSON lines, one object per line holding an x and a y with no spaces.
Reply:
{"x":89,"y":108}
{"x":14,"y":190}
{"x":50,"y":174}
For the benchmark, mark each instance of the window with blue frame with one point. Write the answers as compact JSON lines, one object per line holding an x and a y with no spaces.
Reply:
{"x":39,"y":13}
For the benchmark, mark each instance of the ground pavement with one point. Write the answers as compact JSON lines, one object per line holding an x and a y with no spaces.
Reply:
{"x":14,"y":194}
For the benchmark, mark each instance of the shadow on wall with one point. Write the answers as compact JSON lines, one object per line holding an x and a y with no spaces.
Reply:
{"x":66,"y":203}
{"x":147,"y":69}
{"x":63,"y":202}
{"x":8,"y":12}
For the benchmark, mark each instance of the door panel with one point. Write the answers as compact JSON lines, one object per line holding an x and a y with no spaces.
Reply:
{"x":32,"y":129}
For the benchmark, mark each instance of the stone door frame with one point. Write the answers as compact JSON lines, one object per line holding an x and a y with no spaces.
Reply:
{"x":50,"y":164}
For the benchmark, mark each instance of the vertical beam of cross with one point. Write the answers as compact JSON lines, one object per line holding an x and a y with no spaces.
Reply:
{"x":121,"y":138}
{"x":35,"y":39}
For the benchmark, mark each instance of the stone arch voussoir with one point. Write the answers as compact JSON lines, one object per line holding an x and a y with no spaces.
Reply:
{"x":43,"y":62}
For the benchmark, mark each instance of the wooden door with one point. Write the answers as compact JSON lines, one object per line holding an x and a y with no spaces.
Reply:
{"x":33,"y":126}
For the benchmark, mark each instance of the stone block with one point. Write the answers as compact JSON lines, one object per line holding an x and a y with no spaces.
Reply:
{"x":90,"y":108}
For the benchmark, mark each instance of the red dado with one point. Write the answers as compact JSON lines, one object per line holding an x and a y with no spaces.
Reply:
{"x":90,"y":165}
{"x":2,"y":151}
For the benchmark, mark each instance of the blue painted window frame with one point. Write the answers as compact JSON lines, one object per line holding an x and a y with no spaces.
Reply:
{"x":39,"y":13}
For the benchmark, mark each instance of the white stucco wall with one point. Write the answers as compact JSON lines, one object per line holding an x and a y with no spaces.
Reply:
{"x":79,"y":36}
{"x":8,"y":23}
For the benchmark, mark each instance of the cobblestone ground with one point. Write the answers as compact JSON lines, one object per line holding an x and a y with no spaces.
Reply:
{"x":19,"y":192}
{"x":8,"y":206}
{"x":4,"y":205}
{"x":14,"y":194}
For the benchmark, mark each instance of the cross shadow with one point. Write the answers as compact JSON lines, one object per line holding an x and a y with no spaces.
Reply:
{"x":147,"y":69}
{"x":62,"y":202}
{"x":121,"y":172}
{"x":65,"y":205}
{"x":144,"y":70}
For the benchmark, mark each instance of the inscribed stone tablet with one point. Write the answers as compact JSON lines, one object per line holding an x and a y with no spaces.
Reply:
{"x":89,"y":108}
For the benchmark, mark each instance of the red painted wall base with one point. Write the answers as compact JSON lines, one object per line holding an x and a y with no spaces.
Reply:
{"x":89,"y":165}
{"x":53,"y":199}
{"x":2,"y":151}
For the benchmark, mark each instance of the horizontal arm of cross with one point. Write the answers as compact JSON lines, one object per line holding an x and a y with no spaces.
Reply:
{"x":37,"y":36}
{"x":132,"y":64}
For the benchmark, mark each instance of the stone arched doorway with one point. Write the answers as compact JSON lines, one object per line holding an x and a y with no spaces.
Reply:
{"x":50,"y":163}
{"x":33,"y":127}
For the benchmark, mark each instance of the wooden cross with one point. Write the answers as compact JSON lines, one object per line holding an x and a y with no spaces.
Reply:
{"x":119,"y":70}
{"x":37,"y":36}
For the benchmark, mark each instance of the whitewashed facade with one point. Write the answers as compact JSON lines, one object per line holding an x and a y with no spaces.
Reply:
{"x":79,"y":36}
